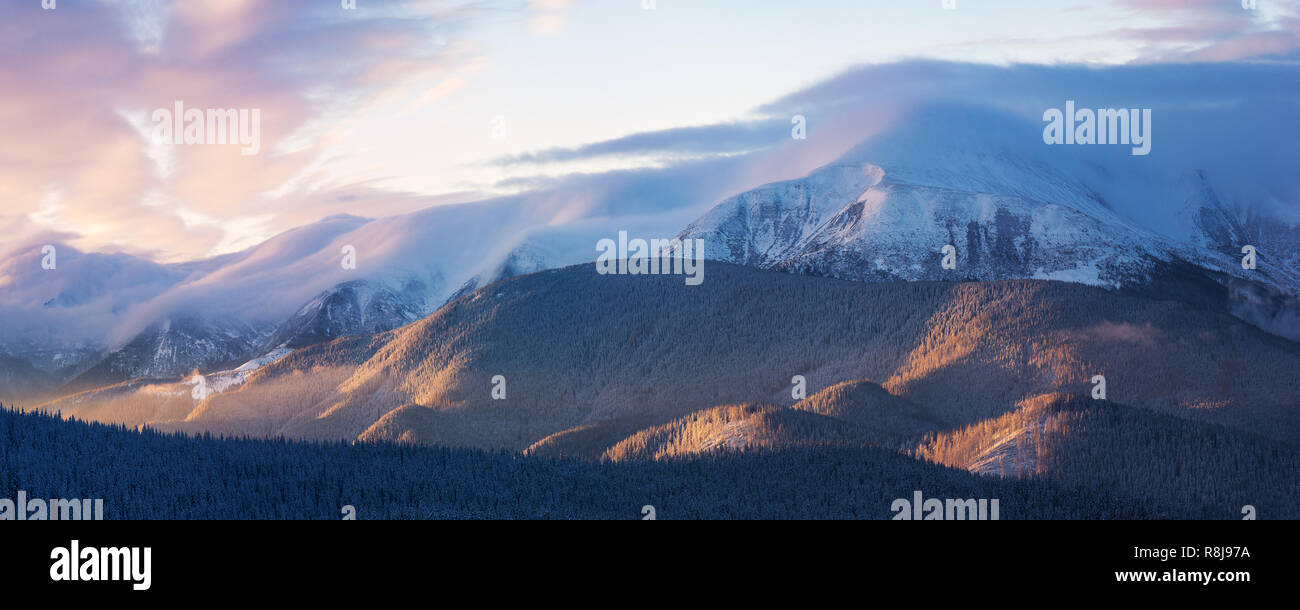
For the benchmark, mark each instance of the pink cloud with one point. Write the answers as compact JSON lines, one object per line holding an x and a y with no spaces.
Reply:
{"x":1213,"y":30}
{"x":72,"y":162}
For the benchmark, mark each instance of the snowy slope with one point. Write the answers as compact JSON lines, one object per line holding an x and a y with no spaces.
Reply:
{"x":210,"y":384}
{"x":164,"y":321}
{"x":1011,"y":208}
{"x":351,"y":308}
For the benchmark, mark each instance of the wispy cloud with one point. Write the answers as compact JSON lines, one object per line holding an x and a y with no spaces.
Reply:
{"x":1213,"y":30}
{"x":81,"y":81}
{"x":676,"y":144}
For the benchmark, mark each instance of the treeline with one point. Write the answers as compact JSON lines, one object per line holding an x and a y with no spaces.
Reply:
{"x":1191,"y":468}
{"x":152,"y":475}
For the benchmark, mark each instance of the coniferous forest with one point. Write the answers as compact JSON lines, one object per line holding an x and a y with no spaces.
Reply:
{"x":151,"y":475}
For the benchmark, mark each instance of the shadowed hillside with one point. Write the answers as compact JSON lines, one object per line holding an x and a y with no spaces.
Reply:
{"x":1104,"y":447}
{"x":991,"y":378}
{"x":147,"y":475}
{"x":857,"y":413}
{"x":736,"y":427}
{"x":590,"y":360}
{"x":1183,"y":466}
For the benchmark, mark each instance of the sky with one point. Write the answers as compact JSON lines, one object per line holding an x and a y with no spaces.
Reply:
{"x":400,"y":105}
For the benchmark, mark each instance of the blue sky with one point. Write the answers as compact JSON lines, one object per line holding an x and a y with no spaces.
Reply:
{"x":403,"y":104}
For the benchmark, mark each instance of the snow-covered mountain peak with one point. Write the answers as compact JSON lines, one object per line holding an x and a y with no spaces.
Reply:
{"x":1011,"y":206}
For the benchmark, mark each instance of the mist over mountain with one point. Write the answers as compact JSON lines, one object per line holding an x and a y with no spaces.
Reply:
{"x":138,"y":319}
{"x":887,"y":177}
{"x":1011,"y":208}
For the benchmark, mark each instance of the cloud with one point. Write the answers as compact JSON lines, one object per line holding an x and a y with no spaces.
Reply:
{"x":706,"y":140}
{"x":1229,"y":119}
{"x":1212,"y":30}
{"x":81,"y":83}
{"x":549,"y":15}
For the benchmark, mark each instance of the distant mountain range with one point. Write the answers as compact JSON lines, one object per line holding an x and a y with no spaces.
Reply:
{"x":883,"y":212}
{"x":991,"y":377}
{"x":102,"y":319}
